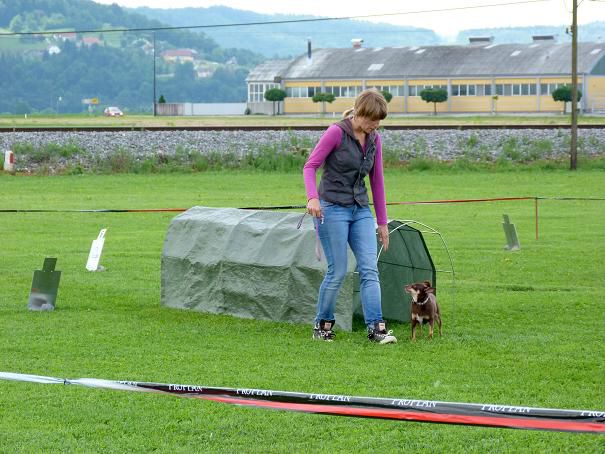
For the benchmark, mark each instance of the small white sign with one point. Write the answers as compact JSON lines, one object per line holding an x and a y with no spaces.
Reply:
{"x":95,"y":252}
{"x":9,"y":161}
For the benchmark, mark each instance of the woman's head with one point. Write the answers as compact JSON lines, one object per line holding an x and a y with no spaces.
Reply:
{"x":369,"y":104}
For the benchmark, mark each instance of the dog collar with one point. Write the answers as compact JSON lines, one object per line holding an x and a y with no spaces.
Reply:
{"x":424,"y":302}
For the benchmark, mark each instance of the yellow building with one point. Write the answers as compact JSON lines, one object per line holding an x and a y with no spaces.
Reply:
{"x":481,"y":77}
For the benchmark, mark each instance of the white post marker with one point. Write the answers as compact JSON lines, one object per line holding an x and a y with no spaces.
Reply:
{"x":95,"y":252}
{"x":9,"y":161}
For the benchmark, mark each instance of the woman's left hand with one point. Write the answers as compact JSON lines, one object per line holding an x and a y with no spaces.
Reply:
{"x":383,"y":236}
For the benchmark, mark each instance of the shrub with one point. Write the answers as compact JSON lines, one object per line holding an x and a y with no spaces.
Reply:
{"x":49,"y":152}
{"x":539,"y":149}
{"x":121,"y":161}
{"x":472,"y":141}
{"x":421,"y":164}
{"x":510,"y":149}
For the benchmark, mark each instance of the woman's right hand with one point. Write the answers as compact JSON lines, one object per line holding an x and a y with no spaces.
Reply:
{"x":314,"y":208}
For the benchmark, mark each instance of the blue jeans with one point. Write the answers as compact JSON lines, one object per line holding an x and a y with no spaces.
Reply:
{"x":352,"y":225}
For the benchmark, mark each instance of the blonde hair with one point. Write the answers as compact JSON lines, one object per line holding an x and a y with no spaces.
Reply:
{"x":369,"y":104}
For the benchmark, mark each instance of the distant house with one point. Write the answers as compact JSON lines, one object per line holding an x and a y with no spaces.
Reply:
{"x":147,"y":47}
{"x":204,"y":72}
{"x":90,"y":40}
{"x":179,"y":55}
{"x":204,"y":68}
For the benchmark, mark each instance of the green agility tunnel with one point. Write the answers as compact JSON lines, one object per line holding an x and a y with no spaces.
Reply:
{"x":264,"y":265}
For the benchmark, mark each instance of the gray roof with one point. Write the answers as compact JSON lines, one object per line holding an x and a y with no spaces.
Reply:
{"x":266,"y":72}
{"x":438,"y":61}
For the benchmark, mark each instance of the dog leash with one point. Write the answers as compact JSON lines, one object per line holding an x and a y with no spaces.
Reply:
{"x":316,"y":223}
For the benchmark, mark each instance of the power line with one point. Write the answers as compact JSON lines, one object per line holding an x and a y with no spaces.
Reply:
{"x":259,"y":33}
{"x":293,"y":21}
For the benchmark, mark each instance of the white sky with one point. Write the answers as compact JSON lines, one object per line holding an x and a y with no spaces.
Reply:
{"x":445,"y":23}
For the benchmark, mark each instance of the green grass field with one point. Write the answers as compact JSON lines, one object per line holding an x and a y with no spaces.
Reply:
{"x":520,"y":328}
{"x":133,"y":120}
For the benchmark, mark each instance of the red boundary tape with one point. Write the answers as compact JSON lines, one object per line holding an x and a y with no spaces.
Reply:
{"x":442,"y":418}
{"x":291,"y":207}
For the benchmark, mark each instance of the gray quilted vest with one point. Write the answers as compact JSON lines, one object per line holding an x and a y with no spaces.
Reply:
{"x":345,"y":168}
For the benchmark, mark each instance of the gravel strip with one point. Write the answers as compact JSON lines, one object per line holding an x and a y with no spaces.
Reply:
{"x":405,"y":144}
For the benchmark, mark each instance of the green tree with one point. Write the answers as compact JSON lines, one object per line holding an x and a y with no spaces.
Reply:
{"x":17,"y":24}
{"x":275,"y":95}
{"x":323,"y":98}
{"x":184,"y":72}
{"x":434,"y":95}
{"x":387,"y":95}
{"x":162,"y":100}
{"x":22,"y":107}
{"x":563,"y":94}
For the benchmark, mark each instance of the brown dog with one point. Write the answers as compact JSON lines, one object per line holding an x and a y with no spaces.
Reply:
{"x":424,"y":307}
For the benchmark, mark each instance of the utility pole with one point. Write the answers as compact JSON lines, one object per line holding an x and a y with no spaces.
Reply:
{"x":573,"y":162}
{"x":154,"y":98}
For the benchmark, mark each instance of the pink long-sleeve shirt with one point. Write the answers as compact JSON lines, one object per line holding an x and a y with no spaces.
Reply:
{"x":328,"y":142}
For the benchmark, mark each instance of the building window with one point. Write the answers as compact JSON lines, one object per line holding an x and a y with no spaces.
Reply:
{"x":256,"y":92}
{"x":301,"y":92}
{"x":414,"y":90}
{"x":472,"y":90}
{"x":484,"y":90}
{"x":518,"y":89}
{"x":349,"y":91}
{"x":297,"y":92}
{"x":504,"y":89}
{"x":395,"y":90}
{"x":547,"y":89}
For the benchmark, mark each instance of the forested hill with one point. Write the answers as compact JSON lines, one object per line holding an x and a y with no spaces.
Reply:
{"x":591,"y":32}
{"x":50,"y":72}
{"x":289,"y":39}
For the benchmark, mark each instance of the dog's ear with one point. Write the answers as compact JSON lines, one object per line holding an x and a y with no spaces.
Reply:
{"x":427,"y":284}
{"x":430,"y":290}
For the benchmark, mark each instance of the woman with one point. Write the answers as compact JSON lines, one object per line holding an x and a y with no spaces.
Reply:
{"x":349,"y":150}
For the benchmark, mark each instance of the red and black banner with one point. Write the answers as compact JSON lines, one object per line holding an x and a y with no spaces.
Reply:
{"x":488,"y":415}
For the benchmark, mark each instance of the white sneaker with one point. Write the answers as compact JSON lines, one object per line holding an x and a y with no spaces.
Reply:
{"x":380,"y":334}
